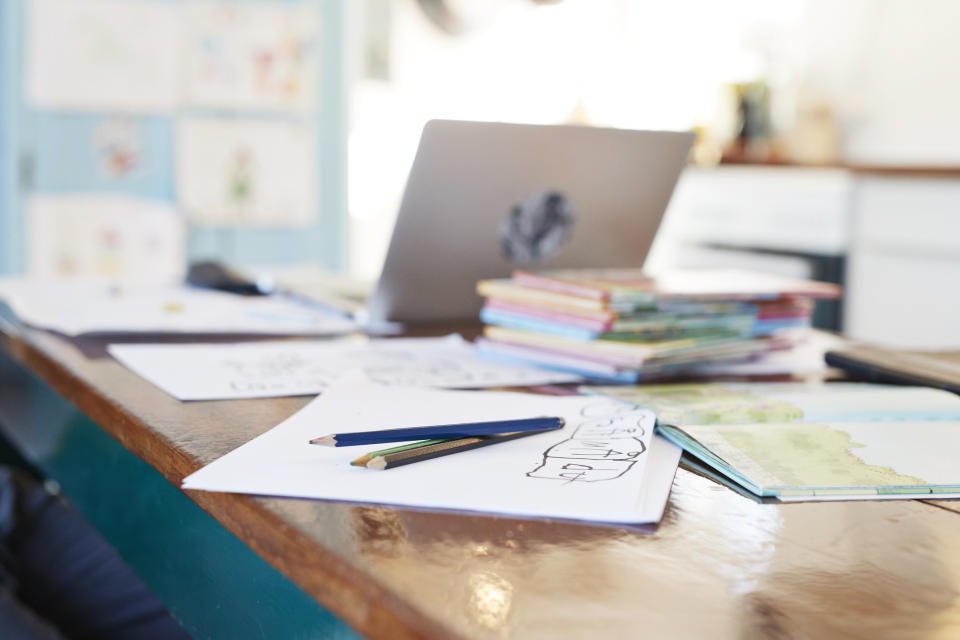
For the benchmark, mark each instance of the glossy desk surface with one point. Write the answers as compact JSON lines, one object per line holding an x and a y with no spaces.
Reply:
{"x":719,"y":565}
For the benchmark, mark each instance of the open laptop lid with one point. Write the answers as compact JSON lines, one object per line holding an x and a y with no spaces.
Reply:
{"x":483,"y":199}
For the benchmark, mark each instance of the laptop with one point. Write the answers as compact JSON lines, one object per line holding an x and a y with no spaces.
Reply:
{"x":483,"y":199}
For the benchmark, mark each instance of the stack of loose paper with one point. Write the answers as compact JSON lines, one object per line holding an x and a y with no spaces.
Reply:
{"x":605,"y":465}
{"x":838,"y":441}
{"x":621,"y":326}
{"x":291,"y":368}
{"x":98,"y":307}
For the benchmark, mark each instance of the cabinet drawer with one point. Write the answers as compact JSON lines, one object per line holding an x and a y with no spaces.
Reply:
{"x":903,"y":301}
{"x":779,"y":208}
{"x":909,"y":216}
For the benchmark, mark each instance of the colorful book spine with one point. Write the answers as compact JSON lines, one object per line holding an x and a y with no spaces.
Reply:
{"x":517,"y":354}
{"x":638,"y":352}
{"x":630,"y":288}
{"x":656,"y":327}
{"x":689,"y":308}
{"x":508,"y":291}
{"x":667,"y":323}
{"x":606,"y":359}
{"x":536,"y":325}
{"x":773,"y":325}
{"x":548,"y":283}
{"x":550,"y":315}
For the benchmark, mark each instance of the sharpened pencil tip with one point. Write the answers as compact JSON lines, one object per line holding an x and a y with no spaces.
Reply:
{"x":361,"y":461}
{"x":325,"y":441}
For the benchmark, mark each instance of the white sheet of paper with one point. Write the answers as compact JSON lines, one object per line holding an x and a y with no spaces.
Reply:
{"x":270,"y":369}
{"x":75,"y":307}
{"x":592,"y":469}
{"x":258,"y":56}
{"x":104,"y":235}
{"x":247,"y":171}
{"x":103,"y":55}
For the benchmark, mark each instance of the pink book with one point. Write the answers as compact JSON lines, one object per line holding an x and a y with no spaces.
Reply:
{"x":600,"y":284}
{"x":631,"y":285}
{"x":550,"y":316}
{"x":550,"y":357}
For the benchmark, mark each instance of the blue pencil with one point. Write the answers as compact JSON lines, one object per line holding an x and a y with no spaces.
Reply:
{"x":439,"y":431}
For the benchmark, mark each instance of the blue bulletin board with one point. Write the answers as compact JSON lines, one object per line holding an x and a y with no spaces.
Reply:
{"x":11,"y":256}
{"x":71,"y":151}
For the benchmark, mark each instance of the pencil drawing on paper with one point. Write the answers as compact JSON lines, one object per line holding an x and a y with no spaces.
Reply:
{"x":282,"y":370}
{"x":604,"y":446}
{"x":277,"y":372}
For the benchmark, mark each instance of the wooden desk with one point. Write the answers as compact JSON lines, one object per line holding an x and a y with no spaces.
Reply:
{"x":718,"y":566}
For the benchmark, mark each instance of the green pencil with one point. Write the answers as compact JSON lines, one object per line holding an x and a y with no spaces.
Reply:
{"x":428,"y":450}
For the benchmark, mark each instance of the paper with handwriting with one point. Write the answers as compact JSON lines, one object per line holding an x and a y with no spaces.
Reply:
{"x":277,"y":368}
{"x":599,"y":467}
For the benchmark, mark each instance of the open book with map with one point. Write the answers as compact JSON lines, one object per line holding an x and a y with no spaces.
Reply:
{"x":838,"y":441}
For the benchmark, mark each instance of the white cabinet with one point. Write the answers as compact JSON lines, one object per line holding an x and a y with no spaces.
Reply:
{"x":802,"y":210}
{"x":792,"y":222}
{"x":903,"y":273}
{"x":894,"y":241}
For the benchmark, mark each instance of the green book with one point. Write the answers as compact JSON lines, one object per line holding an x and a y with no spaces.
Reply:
{"x":838,"y":441}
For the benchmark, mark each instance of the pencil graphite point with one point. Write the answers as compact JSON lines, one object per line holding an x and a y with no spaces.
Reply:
{"x":325,"y":441}
{"x":361,"y":461}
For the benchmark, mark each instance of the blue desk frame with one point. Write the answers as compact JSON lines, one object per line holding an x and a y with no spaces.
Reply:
{"x":214,"y":584}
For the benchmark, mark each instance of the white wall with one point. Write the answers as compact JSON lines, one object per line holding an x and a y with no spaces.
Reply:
{"x":886,"y":66}
{"x":890,"y":67}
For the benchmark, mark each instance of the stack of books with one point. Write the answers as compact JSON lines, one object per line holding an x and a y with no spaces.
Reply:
{"x":622,"y":326}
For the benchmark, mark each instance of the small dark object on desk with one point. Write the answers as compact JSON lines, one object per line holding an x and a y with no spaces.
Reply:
{"x":213,"y":275}
{"x":939,"y":369}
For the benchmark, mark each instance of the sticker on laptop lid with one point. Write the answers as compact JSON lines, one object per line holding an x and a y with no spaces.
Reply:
{"x":537,"y":228}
